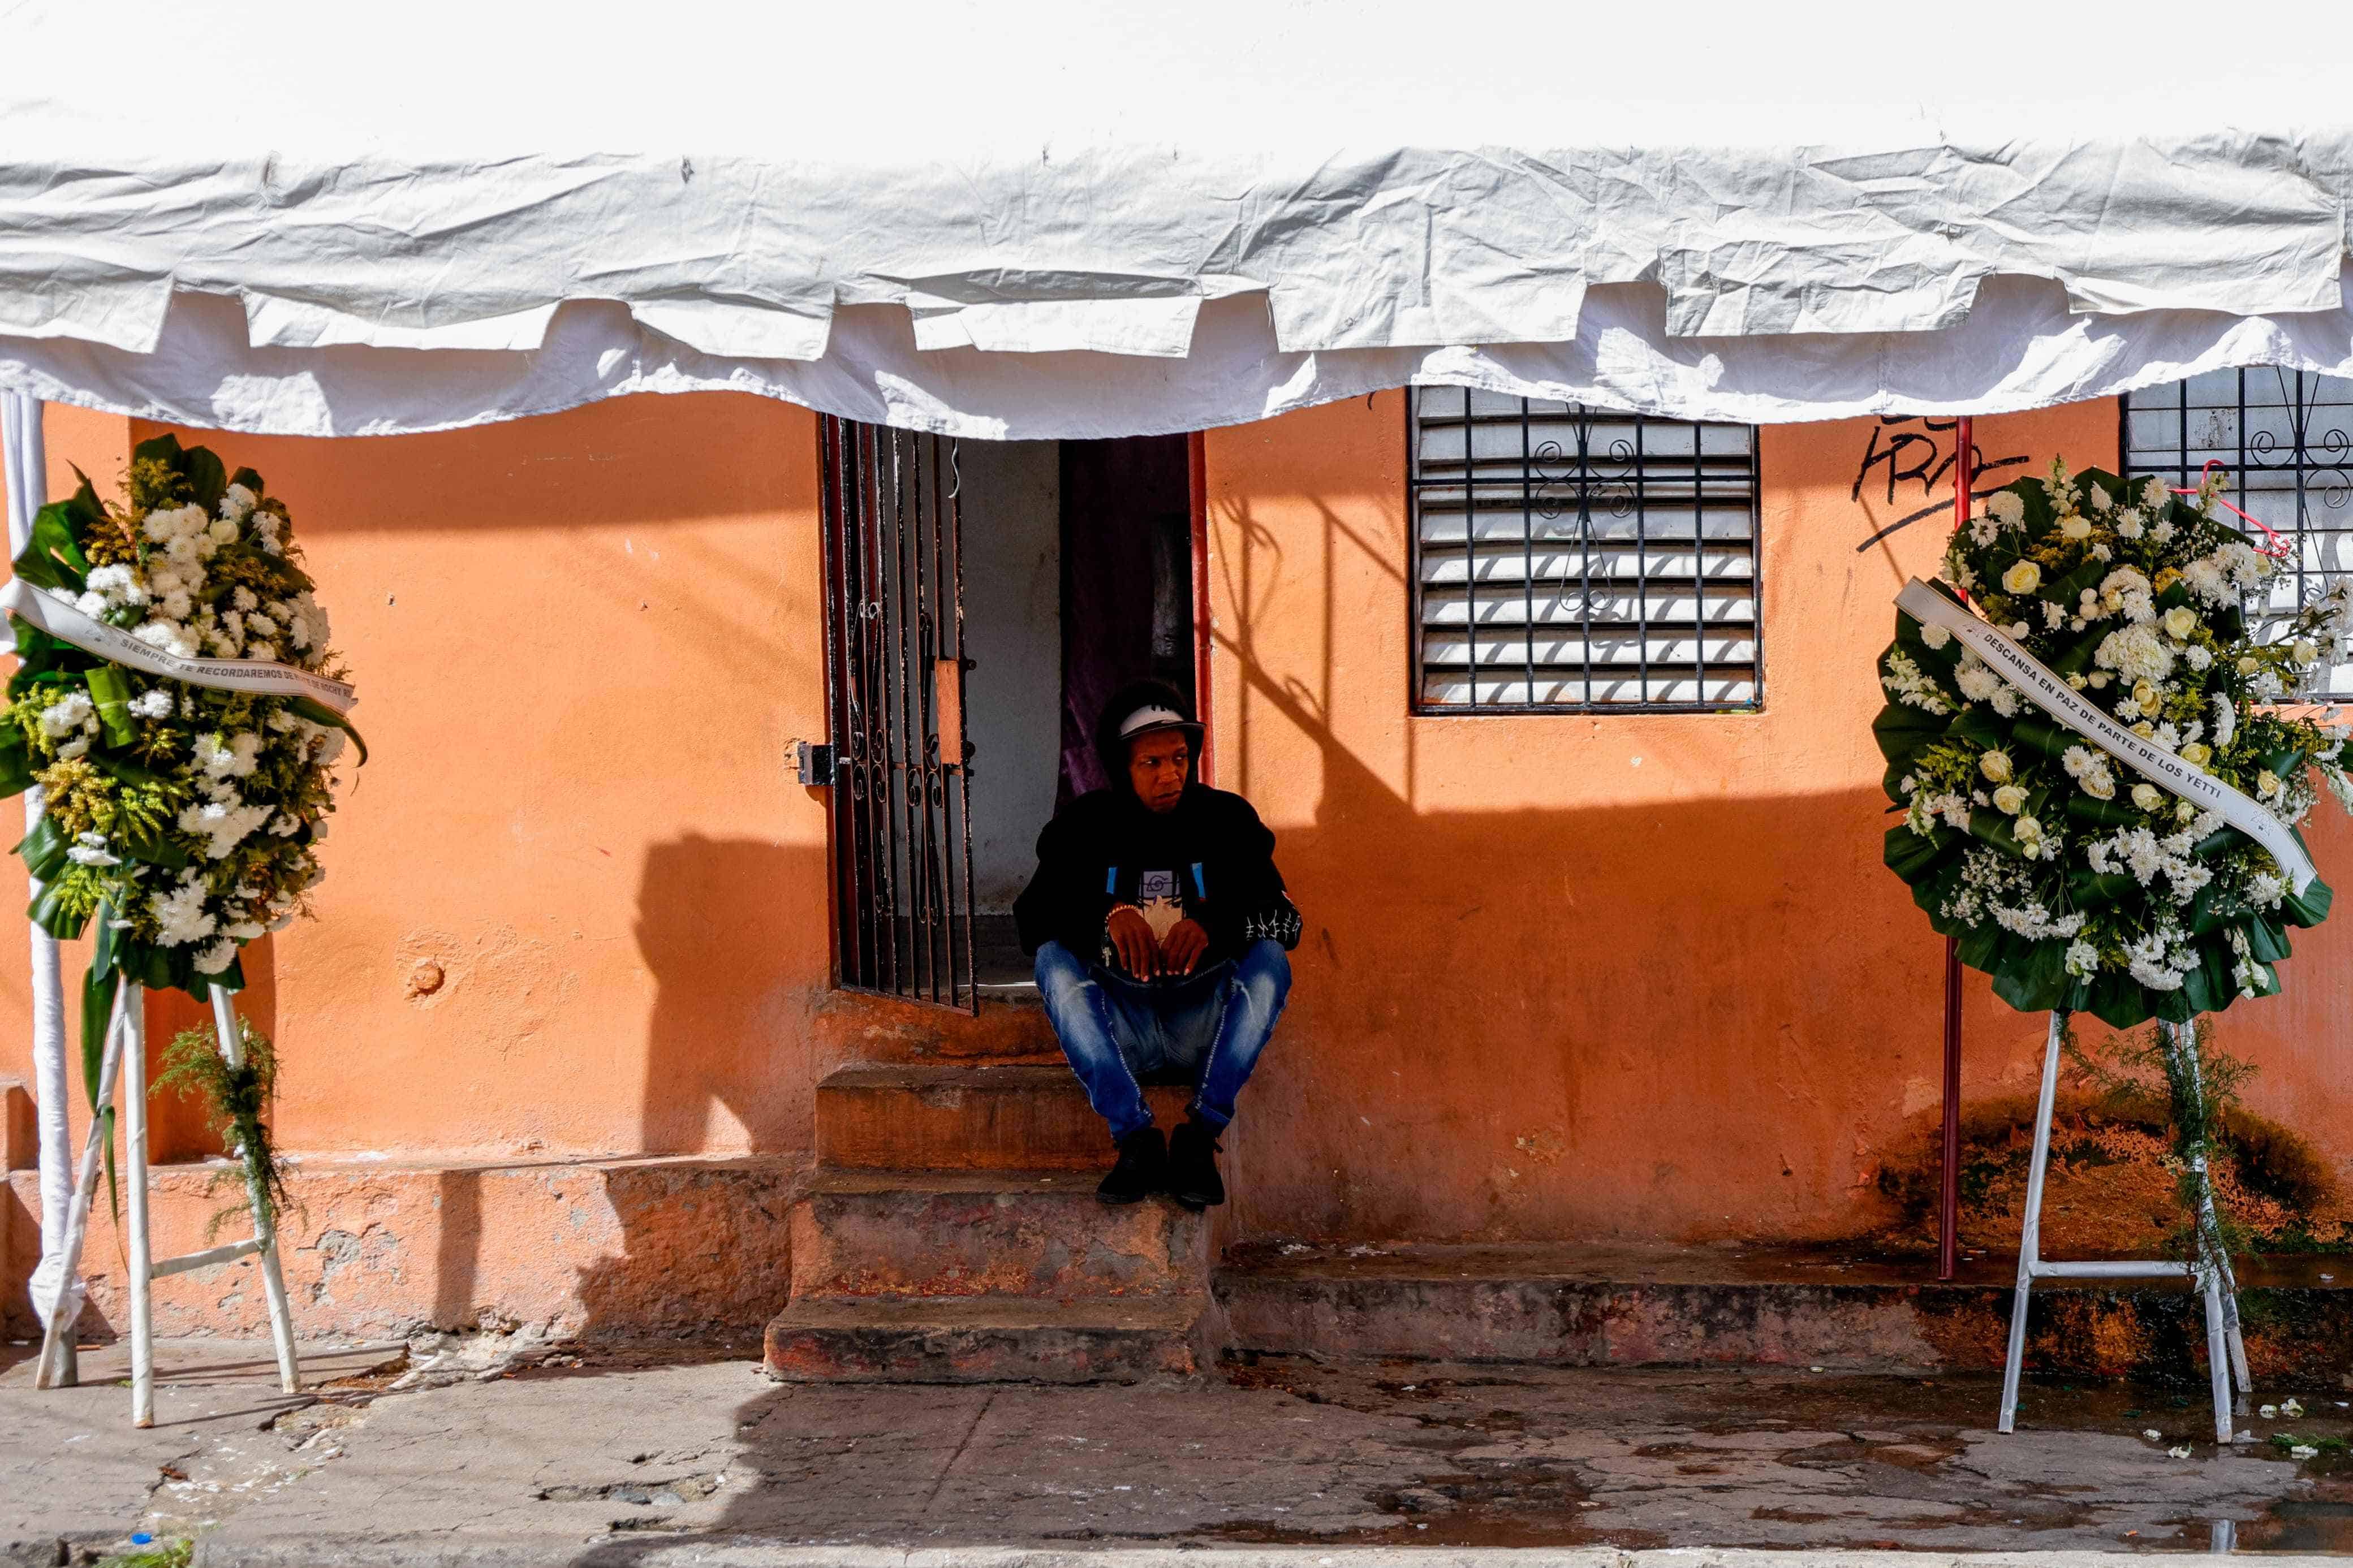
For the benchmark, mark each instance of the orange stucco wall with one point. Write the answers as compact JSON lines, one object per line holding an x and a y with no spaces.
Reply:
{"x":582,"y":643}
{"x":1562,"y":977}
{"x":1573,"y":977}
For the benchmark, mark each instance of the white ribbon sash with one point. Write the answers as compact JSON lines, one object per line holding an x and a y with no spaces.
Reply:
{"x":62,"y":620}
{"x":2049,"y":692}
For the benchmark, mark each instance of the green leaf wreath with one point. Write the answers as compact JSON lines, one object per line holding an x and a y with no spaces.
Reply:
{"x":2072,"y":883}
{"x":184,"y":820}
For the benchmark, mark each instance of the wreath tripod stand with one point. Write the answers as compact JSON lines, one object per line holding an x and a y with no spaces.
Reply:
{"x":2226,"y":1348}
{"x":123,"y":1062}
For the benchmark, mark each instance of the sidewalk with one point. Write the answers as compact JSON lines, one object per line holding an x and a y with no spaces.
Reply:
{"x":646,"y":1457}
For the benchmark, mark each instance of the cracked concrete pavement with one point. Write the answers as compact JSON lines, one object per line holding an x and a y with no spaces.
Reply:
{"x":499,"y":1452}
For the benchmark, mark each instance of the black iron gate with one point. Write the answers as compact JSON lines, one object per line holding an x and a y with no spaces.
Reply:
{"x":895,"y":665}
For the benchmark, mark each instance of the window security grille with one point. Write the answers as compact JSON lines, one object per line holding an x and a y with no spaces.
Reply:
{"x":2281,"y":436}
{"x":1573,"y":559}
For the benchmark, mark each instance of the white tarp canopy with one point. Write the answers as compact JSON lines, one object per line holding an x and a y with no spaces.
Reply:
{"x":1066,"y":220}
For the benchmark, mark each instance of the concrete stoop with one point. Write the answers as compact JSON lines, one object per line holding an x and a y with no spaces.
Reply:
{"x":951,"y":1233}
{"x":1700,"y":1306}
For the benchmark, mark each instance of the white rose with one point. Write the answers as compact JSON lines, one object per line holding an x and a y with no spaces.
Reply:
{"x":2196,"y":754}
{"x":2181,"y":621}
{"x":2010,"y":798}
{"x":2147,"y":796}
{"x":2023,"y":577}
{"x":2306,"y":650}
{"x":2076,"y":528}
{"x":1995,"y":767}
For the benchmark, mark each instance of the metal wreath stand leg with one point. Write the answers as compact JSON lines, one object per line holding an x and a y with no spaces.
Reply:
{"x":124,"y":1063}
{"x":2226,"y":1348}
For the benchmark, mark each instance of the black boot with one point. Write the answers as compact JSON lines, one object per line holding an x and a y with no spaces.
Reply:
{"x":1193,"y":1178}
{"x":1143,"y":1163}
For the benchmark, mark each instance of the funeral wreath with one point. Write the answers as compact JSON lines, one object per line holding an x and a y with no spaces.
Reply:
{"x":2129,"y":878}
{"x":177,"y":706}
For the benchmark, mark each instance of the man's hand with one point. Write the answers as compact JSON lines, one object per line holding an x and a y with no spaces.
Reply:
{"x":1183,"y":950}
{"x":1131,"y":938}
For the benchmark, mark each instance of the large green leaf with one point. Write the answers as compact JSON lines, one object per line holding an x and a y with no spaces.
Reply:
{"x":164,"y":449}
{"x":318,"y":713}
{"x":2310,"y":907}
{"x":15,"y":761}
{"x":2102,"y":813}
{"x":43,"y":848}
{"x":205,"y":477}
{"x":2267,"y":939}
{"x":51,"y":559}
{"x":1902,"y":730}
{"x":109,"y":693}
{"x":1912,"y":856}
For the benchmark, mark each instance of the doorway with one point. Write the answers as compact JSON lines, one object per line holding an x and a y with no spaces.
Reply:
{"x":985,"y":599}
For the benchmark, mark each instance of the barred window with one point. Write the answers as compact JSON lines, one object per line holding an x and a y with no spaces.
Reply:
{"x":2282,"y":436}
{"x":1571,"y":560}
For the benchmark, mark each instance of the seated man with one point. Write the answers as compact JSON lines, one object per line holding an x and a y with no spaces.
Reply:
{"x":1160,"y":927}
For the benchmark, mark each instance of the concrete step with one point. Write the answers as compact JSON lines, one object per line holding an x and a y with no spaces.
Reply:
{"x":1042,"y":1235}
{"x":1681,"y":1306}
{"x":987,"y":1341}
{"x":859,"y":1025}
{"x":904,"y":1117}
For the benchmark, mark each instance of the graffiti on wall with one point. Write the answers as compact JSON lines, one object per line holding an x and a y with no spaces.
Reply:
{"x":1905,"y":449}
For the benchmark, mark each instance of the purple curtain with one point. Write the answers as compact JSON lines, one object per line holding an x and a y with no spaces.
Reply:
{"x":1127,"y":584}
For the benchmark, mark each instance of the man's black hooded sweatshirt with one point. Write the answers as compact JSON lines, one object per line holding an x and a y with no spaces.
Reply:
{"x":1208,"y":859}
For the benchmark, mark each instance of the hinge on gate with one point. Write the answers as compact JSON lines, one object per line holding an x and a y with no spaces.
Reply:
{"x":812,"y":761}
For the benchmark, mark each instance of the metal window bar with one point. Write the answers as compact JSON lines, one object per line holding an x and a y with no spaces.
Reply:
{"x":1635,"y":558}
{"x":896,"y":655}
{"x":2286,"y":437}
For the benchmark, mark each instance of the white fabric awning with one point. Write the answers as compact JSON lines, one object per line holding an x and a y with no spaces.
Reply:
{"x":1067,"y":221}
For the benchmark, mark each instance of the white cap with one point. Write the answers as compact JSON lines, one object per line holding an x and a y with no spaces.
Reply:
{"x":1154,"y":717}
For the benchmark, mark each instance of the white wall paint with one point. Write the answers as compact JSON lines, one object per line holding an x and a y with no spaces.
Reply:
{"x":1012,"y":594}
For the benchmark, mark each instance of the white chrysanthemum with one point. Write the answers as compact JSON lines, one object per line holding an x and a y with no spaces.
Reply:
{"x":90,"y":849}
{"x":2226,"y":720}
{"x":1934,"y":636}
{"x":236,"y":502}
{"x":67,"y":715}
{"x":2155,"y":493}
{"x":214,"y":958}
{"x":2007,"y":509}
{"x":2134,"y":652}
{"x":180,"y":914}
{"x":154,"y":704}
{"x":116,"y":585}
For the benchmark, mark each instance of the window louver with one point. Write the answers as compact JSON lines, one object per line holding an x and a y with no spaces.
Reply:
{"x":1569,"y":558}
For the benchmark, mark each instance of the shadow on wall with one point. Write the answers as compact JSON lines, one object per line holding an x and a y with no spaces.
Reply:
{"x":725,"y":928}
{"x":702,"y":1242}
{"x":1663,"y":1016}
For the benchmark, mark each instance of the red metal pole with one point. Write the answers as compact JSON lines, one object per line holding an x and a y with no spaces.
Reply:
{"x":1196,"y":468}
{"x":1949,"y":1173}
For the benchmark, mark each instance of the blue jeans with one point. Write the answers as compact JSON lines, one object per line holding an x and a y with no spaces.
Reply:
{"x":1210,"y":1026}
